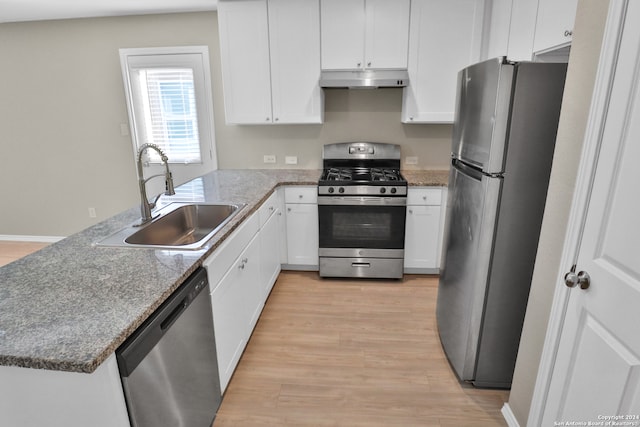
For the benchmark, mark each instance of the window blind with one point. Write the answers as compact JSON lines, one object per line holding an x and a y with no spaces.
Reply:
{"x":167,"y":105}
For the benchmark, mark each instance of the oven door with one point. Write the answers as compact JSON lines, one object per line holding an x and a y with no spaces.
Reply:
{"x":362,"y":226}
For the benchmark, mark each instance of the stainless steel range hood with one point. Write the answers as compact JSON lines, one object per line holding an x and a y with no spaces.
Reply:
{"x":364,"y":79}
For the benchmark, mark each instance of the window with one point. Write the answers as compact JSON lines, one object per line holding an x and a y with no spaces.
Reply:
{"x":169,"y":102}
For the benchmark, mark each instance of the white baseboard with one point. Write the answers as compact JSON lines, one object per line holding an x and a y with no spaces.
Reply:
{"x":20,"y":238}
{"x":507,"y":413}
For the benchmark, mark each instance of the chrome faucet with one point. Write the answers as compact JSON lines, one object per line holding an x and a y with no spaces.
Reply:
{"x":146,"y":206}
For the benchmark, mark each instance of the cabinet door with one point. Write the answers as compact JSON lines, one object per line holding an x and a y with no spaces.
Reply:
{"x":387,"y":34}
{"x":244,"y":54}
{"x":302,"y":234}
{"x":294,"y":39}
{"x":422,"y":237}
{"x":251,"y":259}
{"x":342,"y":32}
{"x":230,"y":320}
{"x":554,"y":25}
{"x":236,"y":303}
{"x":270,"y":253}
{"x":445,"y":37}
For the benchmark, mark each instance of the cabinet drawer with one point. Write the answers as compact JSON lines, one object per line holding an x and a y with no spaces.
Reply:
{"x":424,"y":196}
{"x":301,"y":194}
{"x":268,"y":208}
{"x":224,"y":256}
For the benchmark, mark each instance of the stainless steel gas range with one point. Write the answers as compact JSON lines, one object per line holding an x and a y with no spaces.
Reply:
{"x":362,"y":200}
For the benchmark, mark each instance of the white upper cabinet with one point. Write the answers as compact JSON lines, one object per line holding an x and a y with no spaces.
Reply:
{"x":554,"y":25}
{"x":294,"y":40}
{"x":270,"y":54}
{"x":244,"y":52}
{"x":445,"y":37}
{"x":360,"y":34}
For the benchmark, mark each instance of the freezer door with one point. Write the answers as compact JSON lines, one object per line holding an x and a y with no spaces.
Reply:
{"x":482,"y":114}
{"x":470,"y":226}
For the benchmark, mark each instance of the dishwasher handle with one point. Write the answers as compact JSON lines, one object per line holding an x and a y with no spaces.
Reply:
{"x":142,"y":341}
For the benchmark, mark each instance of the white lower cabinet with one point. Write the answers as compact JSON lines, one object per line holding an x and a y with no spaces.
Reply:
{"x":272,"y":233}
{"x":302,"y":227}
{"x":423,"y":236}
{"x":241,"y":273}
{"x":236,"y":294}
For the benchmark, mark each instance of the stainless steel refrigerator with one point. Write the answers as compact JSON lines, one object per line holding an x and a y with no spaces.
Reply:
{"x":502,"y":149}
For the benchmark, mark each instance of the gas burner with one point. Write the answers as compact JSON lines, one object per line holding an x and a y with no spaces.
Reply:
{"x":378,"y":174}
{"x":336,"y":174}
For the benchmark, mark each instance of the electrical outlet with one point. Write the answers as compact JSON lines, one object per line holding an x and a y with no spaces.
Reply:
{"x":411,"y":160}
{"x":92,"y":212}
{"x":269,"y":158}
{"x":291,"y":160}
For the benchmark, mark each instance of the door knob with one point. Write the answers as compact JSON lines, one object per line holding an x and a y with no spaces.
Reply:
{"x":584,"y":280}
{"x":571,"y":279}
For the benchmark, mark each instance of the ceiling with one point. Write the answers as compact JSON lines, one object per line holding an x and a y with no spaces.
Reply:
{"x":36,"y":10}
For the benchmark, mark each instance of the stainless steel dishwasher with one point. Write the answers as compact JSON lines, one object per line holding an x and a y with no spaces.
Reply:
{"x":169,"y":367}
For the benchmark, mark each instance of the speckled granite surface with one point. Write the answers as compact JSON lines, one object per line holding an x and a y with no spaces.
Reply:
{"x":427,"y":178}
{"x":69,"y":306}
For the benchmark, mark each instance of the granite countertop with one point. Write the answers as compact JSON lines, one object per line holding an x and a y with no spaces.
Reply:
{"x":70,"y":305}
{"x":426,"y":178}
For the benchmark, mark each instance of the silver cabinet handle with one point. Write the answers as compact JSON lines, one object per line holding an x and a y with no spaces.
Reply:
{"x":568,"y":33}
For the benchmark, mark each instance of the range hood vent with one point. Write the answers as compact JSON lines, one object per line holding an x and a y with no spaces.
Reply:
{"x":364,"y":79}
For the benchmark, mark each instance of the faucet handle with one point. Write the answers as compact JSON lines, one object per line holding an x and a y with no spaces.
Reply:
{"x":170,"y":191}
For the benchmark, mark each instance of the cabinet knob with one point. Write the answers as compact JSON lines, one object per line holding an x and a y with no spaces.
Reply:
{"x":271,"y":208}
{"x":411,"y":211}
{"x":568,"y":33}
{"x":288,"y":209}
{"x":359,"y":64}
{"x":300,"y":196}
{"x":268,"y":119}
{"x":411,"y":119}
{"x":276,"y":119}
{"x":369,"y":64}
{"x":424,"y":197}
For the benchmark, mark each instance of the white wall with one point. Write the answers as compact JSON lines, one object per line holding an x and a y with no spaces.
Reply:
{"x":63,"y":102}
{"x":585,"y":52}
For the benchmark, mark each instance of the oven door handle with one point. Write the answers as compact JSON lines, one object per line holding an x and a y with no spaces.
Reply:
{"x":362,"y":201}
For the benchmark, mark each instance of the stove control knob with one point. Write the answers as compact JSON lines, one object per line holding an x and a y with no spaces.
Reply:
{"x":393,"y":190}
{"x":383,"y":190}
{"x":330,"y":190}
{"x":341,"y":190}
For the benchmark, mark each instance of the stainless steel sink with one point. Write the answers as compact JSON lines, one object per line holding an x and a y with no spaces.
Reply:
{"x":178,"y":226}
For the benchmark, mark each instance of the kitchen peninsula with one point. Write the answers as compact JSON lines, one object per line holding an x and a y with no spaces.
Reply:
{"x":69,"y":306}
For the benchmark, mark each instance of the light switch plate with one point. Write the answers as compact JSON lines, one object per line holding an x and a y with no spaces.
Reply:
{"x":291,"y":160}
{"x":269,"y":158}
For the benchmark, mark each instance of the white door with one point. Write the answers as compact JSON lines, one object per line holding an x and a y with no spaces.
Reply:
{"x":596,"y":371}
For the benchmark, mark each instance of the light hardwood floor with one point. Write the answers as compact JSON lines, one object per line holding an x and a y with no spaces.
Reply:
{"x":351,"y":353}
{"x":11,"y":251}
{"x":345,"y":353}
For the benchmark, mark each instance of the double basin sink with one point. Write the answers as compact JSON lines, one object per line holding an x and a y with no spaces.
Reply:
{"x":177,"y":226}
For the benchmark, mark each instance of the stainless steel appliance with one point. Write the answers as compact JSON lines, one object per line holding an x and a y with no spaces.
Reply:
{"x":362,"y":200}
{"x":502,"y":149}
{"x":168,"y":367}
